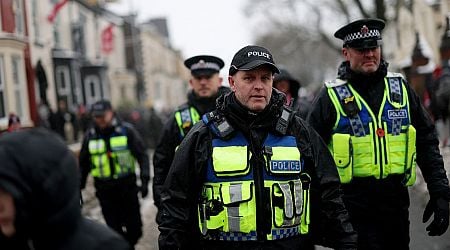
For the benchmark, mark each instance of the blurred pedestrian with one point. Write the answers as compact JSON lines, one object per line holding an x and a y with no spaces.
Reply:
{"x":13,"y":123}
{"x":290,"y":86}
{"x":206,"y":83}
{"x":376,"y":128}
{"x":64,"y":122}
{"x":109,"y":152}
{"x":39,"y":197}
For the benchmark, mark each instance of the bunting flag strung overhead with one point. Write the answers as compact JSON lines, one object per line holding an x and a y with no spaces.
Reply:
{"x":56,"y":8}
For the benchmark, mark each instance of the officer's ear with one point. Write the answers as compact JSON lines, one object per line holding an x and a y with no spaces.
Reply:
{"x":232,"y":83}
{"x":345,"y":53}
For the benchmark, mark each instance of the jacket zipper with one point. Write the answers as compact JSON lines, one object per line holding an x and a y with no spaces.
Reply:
{"x":259,"y":191}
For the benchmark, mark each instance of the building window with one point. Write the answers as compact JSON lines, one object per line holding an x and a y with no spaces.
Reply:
{"x":17,"y":84}
{"x":35,"y":17}
{"x":63,"y":83}
{"x":19,"y":17}
{"x":2,"y":89}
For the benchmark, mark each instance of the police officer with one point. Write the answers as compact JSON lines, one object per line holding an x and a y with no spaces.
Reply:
{"x":376,"y":128}
{"x":206,"y":87}
{"x":290,"y":86}
{"x":242,"y":178}
{"x":109,"y":152}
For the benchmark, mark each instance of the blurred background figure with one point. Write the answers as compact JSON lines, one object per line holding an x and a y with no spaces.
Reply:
{"x":442,"y":87}
{"x":290,"y":86}
{"x":84,"y":118}
{"x":64,"y":123}
{"x":110,"y":151}
{"x":39,"y":197}
{"x":13,"y":123}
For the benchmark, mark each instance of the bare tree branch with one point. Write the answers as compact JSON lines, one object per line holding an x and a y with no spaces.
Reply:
{"x":323,"y":35}
{"x":380,"y":9}
{"x":361,"y":9}
{"x":344,"y":9}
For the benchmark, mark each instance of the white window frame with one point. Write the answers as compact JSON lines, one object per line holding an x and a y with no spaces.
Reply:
{"x":92,"y":97}
{"x":35,"y":17}
{"x":66,"y":91}
{"x":3,"y":85}
{"x":18,"y":85}
{"x":19,"y":17}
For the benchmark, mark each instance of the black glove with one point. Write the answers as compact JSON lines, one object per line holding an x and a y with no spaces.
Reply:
{"x":144,"y":189}
{"x":440,"y":208}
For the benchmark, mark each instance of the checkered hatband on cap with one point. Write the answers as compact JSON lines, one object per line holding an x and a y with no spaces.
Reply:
{"x":360,"y":35}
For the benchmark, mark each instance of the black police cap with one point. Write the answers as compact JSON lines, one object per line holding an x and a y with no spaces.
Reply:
{"x":204,"y":65}
{"x":251,"y":57}
{"x":362,"y":33}
{"x":100,"y":107}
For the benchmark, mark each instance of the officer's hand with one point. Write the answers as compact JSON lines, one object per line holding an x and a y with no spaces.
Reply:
{"x":440,"y":208}
{"x":144,"y":190}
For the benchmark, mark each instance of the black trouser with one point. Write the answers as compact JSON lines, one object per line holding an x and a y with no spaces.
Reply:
{"x":378,"y":211}
{"x":120,"y":207}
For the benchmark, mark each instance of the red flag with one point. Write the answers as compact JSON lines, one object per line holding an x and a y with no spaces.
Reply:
{"x":108,"y":39}
{"x":51,"y":17}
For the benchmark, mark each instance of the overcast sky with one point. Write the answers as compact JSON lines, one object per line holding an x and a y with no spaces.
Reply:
{"x":197,"y":26}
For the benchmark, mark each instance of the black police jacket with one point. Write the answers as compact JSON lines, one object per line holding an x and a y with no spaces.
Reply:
{"x":135,"y":144}
{"x":171,"y":138}
{"x":179,"y":225}
{"x":364,"y":192}
{"x":41,"y":174}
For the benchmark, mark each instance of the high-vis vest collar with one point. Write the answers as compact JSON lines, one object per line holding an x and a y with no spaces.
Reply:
{"x":186,"y":118}
{"x":227,"y":210}
{"x":367,"y":144}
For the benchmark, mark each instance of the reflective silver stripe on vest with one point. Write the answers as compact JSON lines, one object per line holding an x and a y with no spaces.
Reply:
{"x":394,"y":86}
{"x":355,"y":121}
{"x":288,"y":206}
{"x":235,"y":192}
{"x":298,"y":197}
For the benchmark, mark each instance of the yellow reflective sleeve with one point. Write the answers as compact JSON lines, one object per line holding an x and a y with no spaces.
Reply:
{"x":410,"y":171}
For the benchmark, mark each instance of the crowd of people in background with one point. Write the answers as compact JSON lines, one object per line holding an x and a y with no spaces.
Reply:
{"x":71,"y":125}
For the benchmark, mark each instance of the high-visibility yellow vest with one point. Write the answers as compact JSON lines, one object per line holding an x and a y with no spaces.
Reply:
{"x":227,"y":210}
{"x":186,"y":118}
{"x":116,"y":163}
{"x":367,"y":144}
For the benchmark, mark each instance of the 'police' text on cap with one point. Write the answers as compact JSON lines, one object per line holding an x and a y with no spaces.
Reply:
{"x":251,"y":57}
{"x":204,"y":65}
{"x":361,"y":34}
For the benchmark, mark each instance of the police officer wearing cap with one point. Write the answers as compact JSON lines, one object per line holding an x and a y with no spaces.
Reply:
{"x":376,"y":129}
{"x":110,"y":151}
{"x":205,"y":83}
{"x":246,"y":174}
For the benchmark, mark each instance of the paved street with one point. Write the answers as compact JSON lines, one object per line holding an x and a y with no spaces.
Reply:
{"x":418,"y":194}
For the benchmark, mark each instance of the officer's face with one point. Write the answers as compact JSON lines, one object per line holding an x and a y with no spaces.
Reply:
{"x":253,"y":88}
{"x":7,"y":214}
{"x":105,"y":120}
{"x":364,"y":61}
{"x":282,"y":86}
{"x":206,"y":85}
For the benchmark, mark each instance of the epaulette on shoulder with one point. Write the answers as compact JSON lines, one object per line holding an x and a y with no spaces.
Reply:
{"x":182,"y":107}
{"x":395,"y":74}
{"x":335,"y":83}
